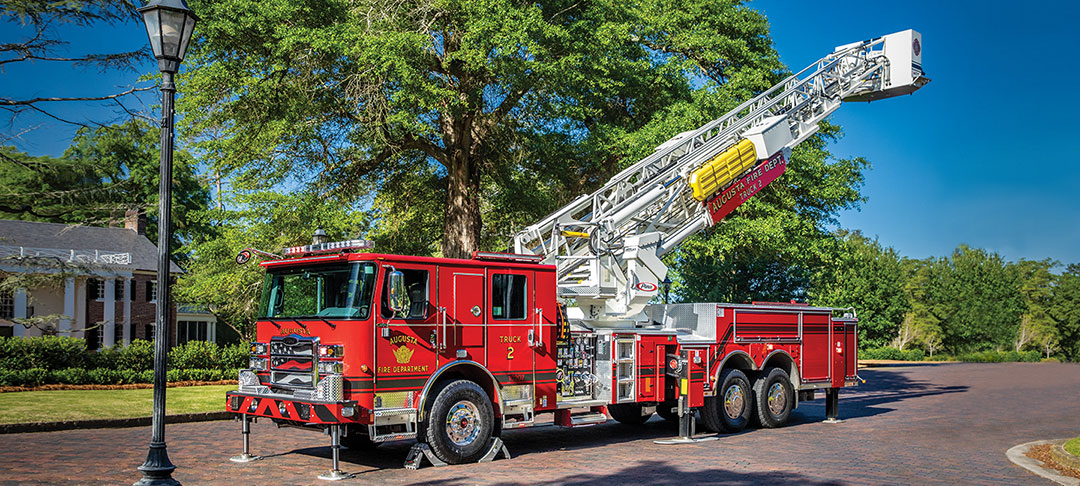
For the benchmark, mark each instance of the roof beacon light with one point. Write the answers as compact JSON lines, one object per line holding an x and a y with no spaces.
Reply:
{"x":330,"y":247}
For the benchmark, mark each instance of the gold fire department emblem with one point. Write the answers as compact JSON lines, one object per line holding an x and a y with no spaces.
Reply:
{"x":403,"y":354}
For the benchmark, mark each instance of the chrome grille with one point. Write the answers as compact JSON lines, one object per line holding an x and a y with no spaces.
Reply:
{"x":292,"y":360}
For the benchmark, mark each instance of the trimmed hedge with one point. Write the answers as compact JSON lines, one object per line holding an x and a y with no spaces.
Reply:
{"x":976,"y":357}
{"x":893,"y":353}
{"x":104,"y":376}
{"x":59,"y":353}
{"x":52,"y":360}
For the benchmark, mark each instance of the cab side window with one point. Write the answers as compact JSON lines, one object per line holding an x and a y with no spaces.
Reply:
{"x":416,"y":287}
{"x":508,"y":296}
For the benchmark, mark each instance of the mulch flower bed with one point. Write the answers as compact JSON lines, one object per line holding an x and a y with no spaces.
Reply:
{"x":1042,"y":453}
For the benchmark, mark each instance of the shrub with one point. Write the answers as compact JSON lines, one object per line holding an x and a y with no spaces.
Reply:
{"x":71,"y":376}
{"x":106,"y":357}
{"x":46,"y":352}
{"x":913,"y":355}
{"x":195,"y":355}
{"x":234,"y":356}
{"x":138,"y":356}
{"x":105,"y":376}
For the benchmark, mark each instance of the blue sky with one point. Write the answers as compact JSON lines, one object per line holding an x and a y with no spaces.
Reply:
{"x":981,"y":156}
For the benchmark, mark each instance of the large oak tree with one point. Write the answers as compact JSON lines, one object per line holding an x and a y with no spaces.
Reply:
{"x":506,"y":108}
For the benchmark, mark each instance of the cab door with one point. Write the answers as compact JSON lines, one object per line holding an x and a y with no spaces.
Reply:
{"x":405,"y":349}
{"x":461,"y":321}
{"x":514,"y":334}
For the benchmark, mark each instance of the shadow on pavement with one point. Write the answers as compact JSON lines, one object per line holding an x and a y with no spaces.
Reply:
{"x":881,"y":388}
{"x":662,"y":474}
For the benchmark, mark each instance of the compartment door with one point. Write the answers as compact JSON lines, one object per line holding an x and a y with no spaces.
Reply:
{"x":817,"y":348}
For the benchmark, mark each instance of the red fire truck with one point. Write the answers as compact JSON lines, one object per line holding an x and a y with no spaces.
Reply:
{"x":450,"y":352}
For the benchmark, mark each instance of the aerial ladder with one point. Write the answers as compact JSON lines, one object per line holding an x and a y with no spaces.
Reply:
{"x":608,"y":245}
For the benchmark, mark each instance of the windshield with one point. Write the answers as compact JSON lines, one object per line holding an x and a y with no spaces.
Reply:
{"x":327,"y":291}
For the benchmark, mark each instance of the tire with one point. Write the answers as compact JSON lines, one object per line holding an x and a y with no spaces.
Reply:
{"x":730,"y":409}
{"x":665,"y":411}
{"x":460,"y":422}
{"x":628,"y":413}
{"x":774,"y":397}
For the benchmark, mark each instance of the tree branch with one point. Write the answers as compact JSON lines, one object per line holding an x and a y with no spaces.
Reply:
{"x":9,"y":102}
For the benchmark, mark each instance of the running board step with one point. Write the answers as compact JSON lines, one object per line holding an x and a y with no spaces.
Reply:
{"x":595,"y":415}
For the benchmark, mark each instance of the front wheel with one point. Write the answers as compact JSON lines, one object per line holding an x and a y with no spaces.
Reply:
{"x":460,"y":423}
{"x":774,"y":397}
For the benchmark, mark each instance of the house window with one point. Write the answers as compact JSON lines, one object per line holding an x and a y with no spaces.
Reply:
{"x":149,"y":332}
{"x":151,"y":291}
{"x":119,"y":288}
{"x":96,"y":289}
{"x":191,"y":331}
{"x":508,"y":297}
{"x":7,"y":305}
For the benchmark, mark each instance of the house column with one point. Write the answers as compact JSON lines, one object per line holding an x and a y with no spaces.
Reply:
{"x":69,"y":307}
{"x":19,"y":330}
{"x":80,"y":309}
{"x":110,"y":312}
{"x":128,"y":290}
{"x":211,"y":333}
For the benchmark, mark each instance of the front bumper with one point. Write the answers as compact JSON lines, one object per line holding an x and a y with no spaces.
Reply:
{"x":290,"y":409}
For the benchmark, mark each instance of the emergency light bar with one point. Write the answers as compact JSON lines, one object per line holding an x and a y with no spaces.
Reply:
{"x":328,"y":247}
{"x":507,"y":257}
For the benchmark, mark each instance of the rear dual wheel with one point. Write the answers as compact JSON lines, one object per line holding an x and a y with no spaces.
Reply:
{"x":774,"y":397}
{"x":730,"y":409}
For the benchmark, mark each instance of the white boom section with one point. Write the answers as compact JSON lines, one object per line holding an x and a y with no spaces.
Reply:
{"x":607,"y":245}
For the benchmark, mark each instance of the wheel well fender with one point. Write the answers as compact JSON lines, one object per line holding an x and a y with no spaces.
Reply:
{"x":737,"y":359}
{"x":461,"y":370}
{"x":781,"y":359}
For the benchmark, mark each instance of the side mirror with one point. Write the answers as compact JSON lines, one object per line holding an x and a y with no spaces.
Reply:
{"x":398,"y":299}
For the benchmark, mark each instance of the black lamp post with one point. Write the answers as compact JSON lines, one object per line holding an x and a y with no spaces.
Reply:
{"x":169,"y":24}
{"x":667,"y":289}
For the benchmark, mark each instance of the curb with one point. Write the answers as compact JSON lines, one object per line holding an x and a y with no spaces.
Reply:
{"x":1016,"y":455}
{"x":1064,"y":458}
{"x":110,"y":423}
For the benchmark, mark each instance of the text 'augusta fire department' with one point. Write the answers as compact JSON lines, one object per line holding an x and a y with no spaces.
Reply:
{"x":373,"y":347}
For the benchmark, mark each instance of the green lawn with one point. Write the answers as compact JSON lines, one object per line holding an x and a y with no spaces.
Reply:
{"x":1073,"y":446}
{"x":51,"y":406}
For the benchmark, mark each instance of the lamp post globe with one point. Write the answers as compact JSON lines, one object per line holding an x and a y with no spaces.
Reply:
{"x":169,"y":25}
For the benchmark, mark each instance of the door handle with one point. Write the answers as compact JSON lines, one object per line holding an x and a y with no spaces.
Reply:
{"x":442,"y":328}
{"x":540,"y":327}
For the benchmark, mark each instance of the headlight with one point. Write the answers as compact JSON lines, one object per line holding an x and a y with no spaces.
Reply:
{"x":257,"y":364}
{"x":331,"y":350}
{"x":258,"y":349}
{"x":248,"y":378}
{"x":331,"y":368}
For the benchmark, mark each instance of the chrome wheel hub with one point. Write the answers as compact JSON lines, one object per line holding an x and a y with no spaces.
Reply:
{"x":777,"y":398}
{"x":463,"y":423}
{"x":734,"y":401}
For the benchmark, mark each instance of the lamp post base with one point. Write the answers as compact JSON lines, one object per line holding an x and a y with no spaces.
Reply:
{"x":157,"y":470}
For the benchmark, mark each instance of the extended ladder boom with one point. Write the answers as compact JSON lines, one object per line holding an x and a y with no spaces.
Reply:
{"x":607,"y":245}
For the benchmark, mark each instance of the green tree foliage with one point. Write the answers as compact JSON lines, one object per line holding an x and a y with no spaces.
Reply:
{"x":976,"y":296}
{"x":769,"y":247}
{"x":870,"y":278}
{"x":1065,"y":310}
{"x":509,"y":108}
{"x":104,"y":172}
{"x":268,"y":221}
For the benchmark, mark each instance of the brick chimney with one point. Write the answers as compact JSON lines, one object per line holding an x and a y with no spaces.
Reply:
{"x":135,"y":221}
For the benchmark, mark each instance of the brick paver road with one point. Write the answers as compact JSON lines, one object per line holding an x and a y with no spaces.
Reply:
{"x":931,"y":424}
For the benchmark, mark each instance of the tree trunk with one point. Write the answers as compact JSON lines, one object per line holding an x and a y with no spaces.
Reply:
{"x":461,"y":230}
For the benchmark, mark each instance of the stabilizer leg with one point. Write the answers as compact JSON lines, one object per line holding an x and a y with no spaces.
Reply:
{"x":832,"y":406}
{"x":335,"y":473}
{"x":245,"y":429}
